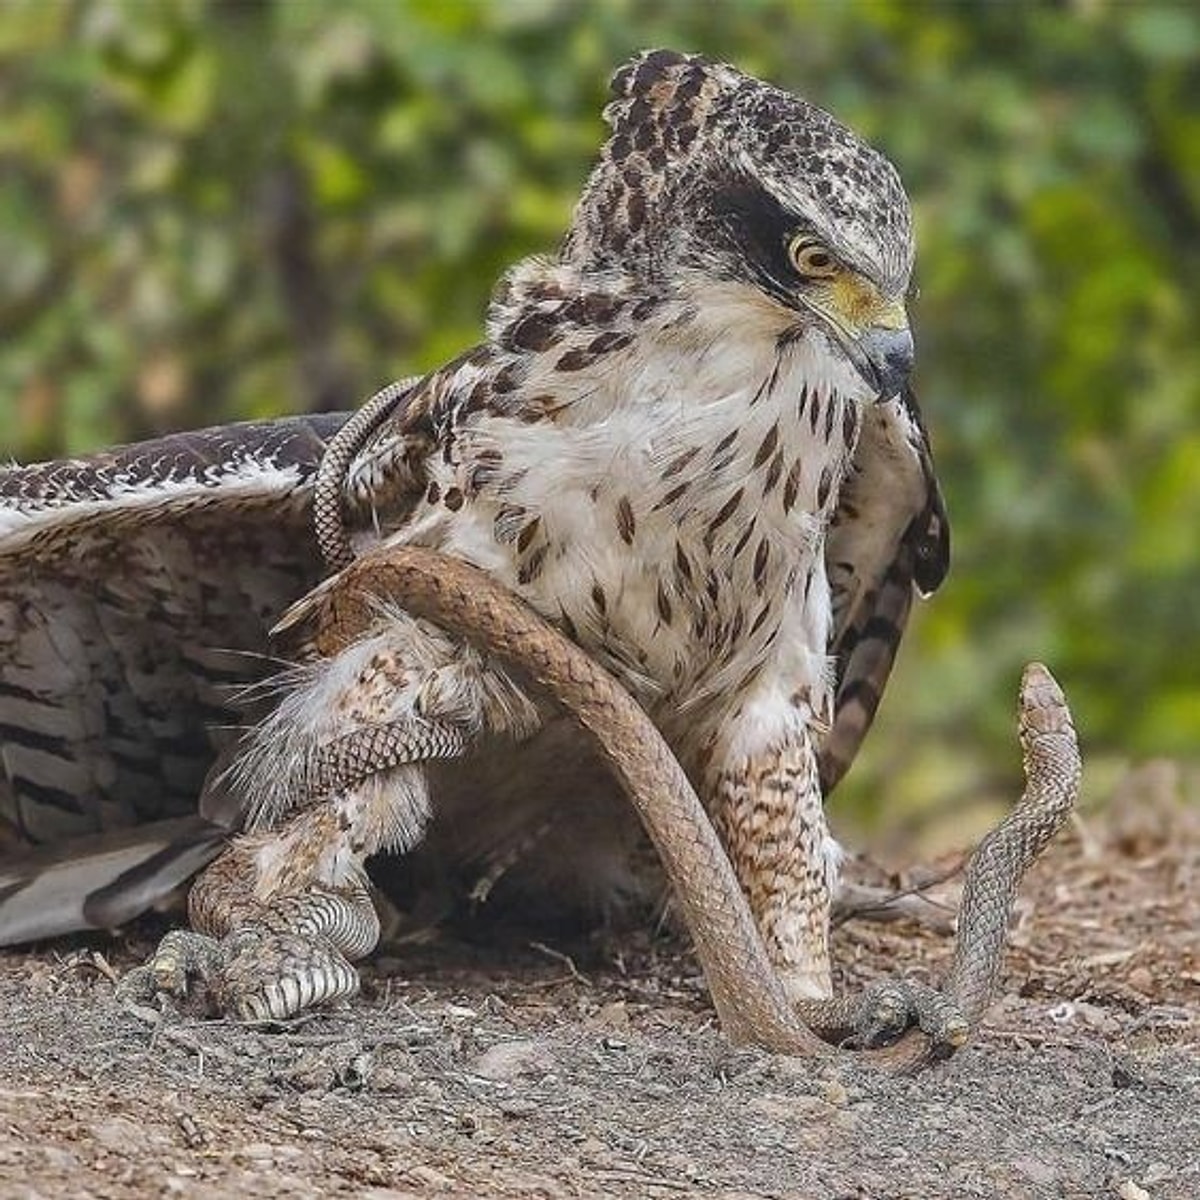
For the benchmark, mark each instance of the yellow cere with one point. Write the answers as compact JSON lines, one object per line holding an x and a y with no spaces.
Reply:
{"x":853,"y":300}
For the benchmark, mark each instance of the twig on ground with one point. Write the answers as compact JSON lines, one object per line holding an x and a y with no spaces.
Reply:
{"x":859,"y":901}
{"x":566,"y":960}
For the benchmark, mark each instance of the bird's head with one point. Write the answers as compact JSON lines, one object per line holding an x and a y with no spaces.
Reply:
{"x":714,"y":180}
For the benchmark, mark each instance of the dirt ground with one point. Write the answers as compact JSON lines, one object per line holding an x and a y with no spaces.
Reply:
{"x":513,"y":1070}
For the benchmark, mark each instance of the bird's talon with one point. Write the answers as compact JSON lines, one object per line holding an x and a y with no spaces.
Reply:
{"x":956,"y":1033}
{"x":252,"y":973}
{"x":886,"y":1012}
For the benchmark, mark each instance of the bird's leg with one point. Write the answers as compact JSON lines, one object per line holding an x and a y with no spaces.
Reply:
{"x":766,"y":802}
{"x":338,"y":774}
{"x":260,"y":959}
{"x":768,"y":811}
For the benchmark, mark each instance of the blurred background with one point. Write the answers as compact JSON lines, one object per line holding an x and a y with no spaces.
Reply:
{"x":212,"y":211}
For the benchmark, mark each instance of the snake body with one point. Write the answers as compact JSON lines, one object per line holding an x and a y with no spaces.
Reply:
{"x":745,"y":990}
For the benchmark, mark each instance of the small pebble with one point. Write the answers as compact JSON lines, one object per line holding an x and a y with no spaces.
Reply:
{"x":1132,"y":1191}
{"x":1141,"y":980}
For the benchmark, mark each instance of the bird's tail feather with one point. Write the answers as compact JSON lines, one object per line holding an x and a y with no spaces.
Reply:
{"x":100,"y":881}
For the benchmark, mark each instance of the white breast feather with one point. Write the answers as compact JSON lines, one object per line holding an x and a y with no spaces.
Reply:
{"x":624,"y":427}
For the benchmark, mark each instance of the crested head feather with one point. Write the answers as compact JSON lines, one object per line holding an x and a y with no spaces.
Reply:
{"x":687,"y":131}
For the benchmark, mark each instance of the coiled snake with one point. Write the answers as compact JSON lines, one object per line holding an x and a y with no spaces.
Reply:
{"x":746,"y":993}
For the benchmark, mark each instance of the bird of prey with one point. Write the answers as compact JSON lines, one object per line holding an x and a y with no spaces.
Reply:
{"x":688,"y":440}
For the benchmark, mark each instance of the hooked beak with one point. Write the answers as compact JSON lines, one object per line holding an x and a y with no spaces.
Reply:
{"x":873,"y":332}
{"x":884,"y":358}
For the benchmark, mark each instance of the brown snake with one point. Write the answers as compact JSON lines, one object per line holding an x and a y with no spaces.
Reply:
{"x":745,"y":990}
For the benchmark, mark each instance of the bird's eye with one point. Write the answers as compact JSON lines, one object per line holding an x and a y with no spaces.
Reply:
{"x":811,"y":259}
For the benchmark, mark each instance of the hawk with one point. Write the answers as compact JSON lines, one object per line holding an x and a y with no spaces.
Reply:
{"x":688,"y":440}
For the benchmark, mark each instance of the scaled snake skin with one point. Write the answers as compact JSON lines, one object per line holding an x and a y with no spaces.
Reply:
{"x":746,"y":993}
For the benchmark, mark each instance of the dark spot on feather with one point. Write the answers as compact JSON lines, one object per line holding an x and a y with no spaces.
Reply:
{"x":537,"y":331}
{"x":717,"y":465}
{"x":479,"y":397}
{"x":679,"y":462}
{"x":635,"y":205}
{"x":726,"y":511}
{"x":527,"y":535}
{"x":485,"y":469}
{"x":761,"y":557}
{"x":683,"y":568}
{"x":767,"y":446}
{"x":545,"y":289}
{"x":434,"y":494}
{"x":643,"y":309}
{"x":773,"y":473}
{"x":644,"y":137}
{"x":830,"y":415}
{"x":724,"y":444}
{"x":507,"y":379}
{"x":540,"y":408}
{"x":736,"y":627}
{"x":507,"y":522}
{"x":824,"y":484}
{"x":850,"y":425}
{"x":814,"y":411}
{"x":454,"y":499}
{"x":747,"y":534}
{"x":664,"y":604}
{"x":594,"y":308}
{"x":626,"y":524}
{"x":791,"y":489}
{"x":574,"y":360}
{"x":606,"y":343}
{"x":689,"y":87}
{"x":531,"y":567}
{"x":639,"y":111}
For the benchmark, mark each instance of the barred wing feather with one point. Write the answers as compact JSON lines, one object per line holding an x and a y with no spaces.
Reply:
{"x":137,"y":587}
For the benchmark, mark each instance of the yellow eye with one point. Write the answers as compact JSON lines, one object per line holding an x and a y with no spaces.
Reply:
{"x":811,"y":259}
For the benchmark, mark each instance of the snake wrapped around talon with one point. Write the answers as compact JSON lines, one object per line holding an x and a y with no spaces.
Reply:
{"x":745,"y":990}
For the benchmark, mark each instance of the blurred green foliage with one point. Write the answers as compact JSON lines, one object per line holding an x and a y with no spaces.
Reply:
{"x":217,"y":210}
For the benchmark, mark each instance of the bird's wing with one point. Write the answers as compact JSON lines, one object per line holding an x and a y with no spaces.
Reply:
{"x":137,"y":587}
{"x":889,"y":539}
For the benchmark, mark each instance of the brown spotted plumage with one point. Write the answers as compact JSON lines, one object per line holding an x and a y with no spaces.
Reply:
{"x":688,"y":441}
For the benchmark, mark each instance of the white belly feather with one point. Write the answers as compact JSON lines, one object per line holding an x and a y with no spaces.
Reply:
{"x":677,"y":534}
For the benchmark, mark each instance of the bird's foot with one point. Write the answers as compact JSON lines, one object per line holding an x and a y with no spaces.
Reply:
{"x":293,"y":954}
{"x":881,"y":1014}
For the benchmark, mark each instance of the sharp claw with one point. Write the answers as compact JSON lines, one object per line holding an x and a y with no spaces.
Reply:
{"x":956,"y":1032}
{"x":253,"y":972}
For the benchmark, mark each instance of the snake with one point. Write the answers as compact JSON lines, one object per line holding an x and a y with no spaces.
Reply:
{"x":745,"y":990}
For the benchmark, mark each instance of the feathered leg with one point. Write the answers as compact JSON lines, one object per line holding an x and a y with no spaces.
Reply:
{"x":334,"y":775}
{"x":767,"y":807}
{"x":766,"y":801}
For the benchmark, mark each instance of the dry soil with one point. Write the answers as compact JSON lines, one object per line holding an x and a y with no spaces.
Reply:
{"x":512,"y":1069}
